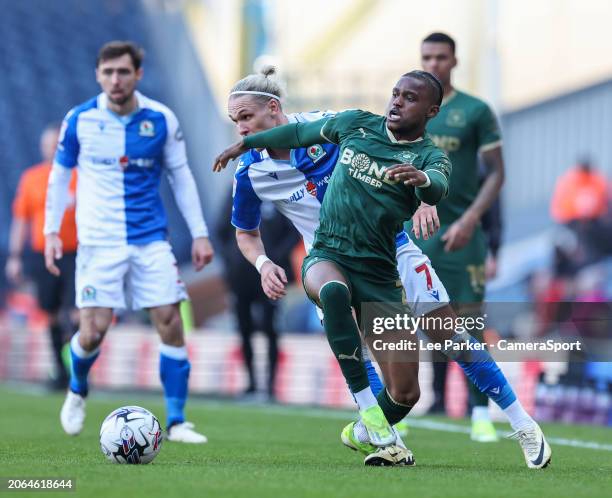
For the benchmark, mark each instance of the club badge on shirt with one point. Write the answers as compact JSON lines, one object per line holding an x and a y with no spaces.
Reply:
{"x":405,"y":157}
{"x":315,"y":152}
{"x":456,"y":118}
{"x":147,"y":129}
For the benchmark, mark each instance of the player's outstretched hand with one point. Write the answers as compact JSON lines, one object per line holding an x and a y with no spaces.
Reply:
{"x":201,"y":252}
{"x":408,"y":174}
{"x":425,"y":221}
{"x":273,"y":280}
{"x":53,"y":251}
{"x":232,"y":152}
{"x":459,"y":234}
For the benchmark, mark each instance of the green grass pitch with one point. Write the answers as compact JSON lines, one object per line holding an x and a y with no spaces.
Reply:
{"x":258,"y":451}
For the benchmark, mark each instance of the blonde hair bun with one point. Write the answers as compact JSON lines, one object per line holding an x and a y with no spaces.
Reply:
{"x":268,"y":70}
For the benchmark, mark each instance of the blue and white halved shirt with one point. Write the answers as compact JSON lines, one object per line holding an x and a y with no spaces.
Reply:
{"x":120,"y":162}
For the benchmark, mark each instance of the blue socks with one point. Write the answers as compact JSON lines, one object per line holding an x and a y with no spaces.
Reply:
{"x":82,"y":362}
{"x":174,"y":370}
{"x":482,"y":370}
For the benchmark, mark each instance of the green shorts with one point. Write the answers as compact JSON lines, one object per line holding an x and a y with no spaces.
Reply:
{"x":362,"y":287}
{"x":462,"y":272}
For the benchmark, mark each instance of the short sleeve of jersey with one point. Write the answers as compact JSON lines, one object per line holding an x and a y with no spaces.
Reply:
{"x":67,"y":153}
{"x":20,"y":204}
{"x":175,"y":154}
{"x":338,"y":124}
{"x":246,"y":209}
{"x":488,"y":132}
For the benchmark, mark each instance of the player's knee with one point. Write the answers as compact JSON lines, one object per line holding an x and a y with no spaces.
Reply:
{"x":175,"y":323}
{"x":408,"y":395}
{"x":92,"y":328}
{"x":90,"y":339}
{"x":170,"y":326}
{"x":335,"y":297}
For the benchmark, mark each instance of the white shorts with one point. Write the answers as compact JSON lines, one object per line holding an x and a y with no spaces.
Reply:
{"x":424,"y":290}
{"x":128,"y":276}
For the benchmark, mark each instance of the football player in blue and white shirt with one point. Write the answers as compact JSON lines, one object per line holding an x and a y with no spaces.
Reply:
{"x":121,"y":142}
{"x":295,"y":181}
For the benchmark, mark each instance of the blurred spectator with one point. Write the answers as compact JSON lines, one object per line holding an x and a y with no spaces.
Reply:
{"x":580,"y":203}
{"x":55,"y":294}
{"x":572,"y":303}
{"x":580,"y":194}
{"x":249,"y":301}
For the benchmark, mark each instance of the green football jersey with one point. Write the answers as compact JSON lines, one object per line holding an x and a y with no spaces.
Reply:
{"x":464,"y":127}
{"x":363,"y":209}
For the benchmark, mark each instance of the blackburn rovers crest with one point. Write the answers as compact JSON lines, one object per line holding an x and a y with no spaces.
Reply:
{"x":88,"y":293}
{"x":315,"y":152}
{"x":147,"y":129}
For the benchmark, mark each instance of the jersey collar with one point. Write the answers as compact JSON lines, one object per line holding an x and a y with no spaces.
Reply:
{"x":396,"y":141}
{"x":449,"y":97}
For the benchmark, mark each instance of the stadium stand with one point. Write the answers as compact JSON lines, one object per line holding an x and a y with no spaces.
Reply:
{"x":47,"y":56}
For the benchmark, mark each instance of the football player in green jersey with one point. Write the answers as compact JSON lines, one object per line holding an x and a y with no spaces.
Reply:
{"x":353,"y":259}
{"x":466,"y":129}
{"x":477,"y":365}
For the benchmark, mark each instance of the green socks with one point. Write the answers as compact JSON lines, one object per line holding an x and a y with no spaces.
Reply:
{"x":343,"y":334}
{"x":394,"y":412}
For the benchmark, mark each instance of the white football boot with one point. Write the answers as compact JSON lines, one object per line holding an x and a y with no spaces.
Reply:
{"x":184,"y":433}
{"x":390,"y":456}
{"x":72,"y":415}
{"x":535,"y":448}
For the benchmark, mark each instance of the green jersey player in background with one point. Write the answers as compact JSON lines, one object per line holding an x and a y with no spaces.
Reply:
{"x":386,"y":166}
{"x":466,"y":129}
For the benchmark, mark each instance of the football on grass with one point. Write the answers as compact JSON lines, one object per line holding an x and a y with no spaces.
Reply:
{"x":130,"y":434}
